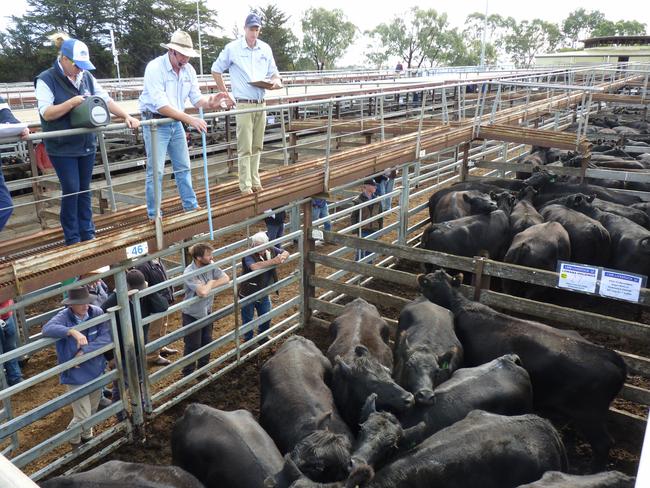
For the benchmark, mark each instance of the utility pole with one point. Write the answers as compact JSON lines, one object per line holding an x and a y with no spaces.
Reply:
{"x":198,"y":21}
{"x":485,"y":23}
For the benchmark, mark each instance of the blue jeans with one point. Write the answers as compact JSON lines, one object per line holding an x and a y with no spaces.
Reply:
{"x":263,"y":305}
{"x":7,"y":344}
{"x":383,"y":187}
{"x":319,"y":213}
{"x":170,"y":139}
{"x":76,"y":216}
{"x":273,"y":229}
{"x":194,"y":341}
{"x":360,"y":254}
{"x":6,"y":205}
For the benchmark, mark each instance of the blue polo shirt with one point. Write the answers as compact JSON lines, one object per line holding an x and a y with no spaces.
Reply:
{"x":246,"y":64}
{"x":162,"y":86}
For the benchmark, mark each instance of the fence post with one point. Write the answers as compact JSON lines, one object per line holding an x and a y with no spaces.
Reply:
{"x":308,"y":266}
{"x":130,"y":359}
{"x":464,"y":169}
{"x":419,"y":137}
{"x":328,"y":148}
{"x":404,"y":207}
{"x":36,"y":187}
{"x":107,"y":172}
{"x":236,"y":309}
{"x":283,"y":128}
{"x":157,"y":190}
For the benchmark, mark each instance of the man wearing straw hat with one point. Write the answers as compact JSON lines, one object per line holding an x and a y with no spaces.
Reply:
{"x":248,"y":60}
{"x":169,"y":80}
{"x":72,"y":344}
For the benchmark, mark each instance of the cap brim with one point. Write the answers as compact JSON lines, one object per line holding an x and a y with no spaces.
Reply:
{"x":87,"y":65}
{"x":255,"y":24}
{"x":76,"y":302}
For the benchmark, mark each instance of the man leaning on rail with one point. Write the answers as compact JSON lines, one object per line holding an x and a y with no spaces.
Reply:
{"x":169,"y":80}
{"x":248,"y":60}
{"x":59,"y":90}
{"x":73,"y":343}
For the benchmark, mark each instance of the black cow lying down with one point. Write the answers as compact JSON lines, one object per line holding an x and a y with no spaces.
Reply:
{"x":501,"y":386}
{"x":606,"y":479}
{"x":570,"y":375}
{"x":118,"y":474}
{"x":224,"y":449}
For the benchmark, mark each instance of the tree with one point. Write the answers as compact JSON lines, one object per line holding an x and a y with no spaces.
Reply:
{"x":282,"y":41}
{"x":497,"y":29}
{"x":620,"y":28}
{"x":528,"y":38}
{"x":327,"y":35}
{"x":463,"y":51}
{"x":417,"y":37}
{"x":579,"y":25}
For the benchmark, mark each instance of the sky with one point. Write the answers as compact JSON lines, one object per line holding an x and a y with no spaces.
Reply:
{"x":367,"y":14}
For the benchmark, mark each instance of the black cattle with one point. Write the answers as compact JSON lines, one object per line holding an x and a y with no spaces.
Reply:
{"x":224,"y":449}
{"x":297,"y":410}
{"x":559,"y":189}
{"x":524,"y":214}
{"x":118,"y":474}
{"x":500,"y":386}
{"x":473,"y":235}
{"x":570,"y":375}
{"x":360,"y":324}
{"x":630,"y":243}
{"x":427,"y":350}
{"x":643,"y":206}
{"x":481,"y":451}
{"x":606,"y":479}
{"x":380,"y":437}
{"x":459,"y":204}
{"x":354,"y":381}
{"x":636,"y":215}
{"x":590,"y":241}
{"x":539,"y":246}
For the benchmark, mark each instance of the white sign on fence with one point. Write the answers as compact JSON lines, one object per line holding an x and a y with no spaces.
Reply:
{"x":624,"y":286}
{"x":578,"y":277}
{"x":137,"y":250}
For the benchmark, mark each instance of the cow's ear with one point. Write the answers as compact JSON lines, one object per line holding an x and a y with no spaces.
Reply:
{"x":412,"y":436}
{"x":645,"y":243}
{"x":513,"y":199}
{"x":361,"y":350}
{"x":422,"y":280}
{"x":345,"y":369}
{"x":323,"y":420}
{"x":493,"y":195}
{"x":369,"y":407}
{"x":465,"y":197}
{"x":590,"y":198}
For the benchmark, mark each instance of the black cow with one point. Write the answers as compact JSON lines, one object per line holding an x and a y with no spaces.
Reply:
{"x":557,"y":190}
{"x":635,"y":212}
{"x":630,"y":243}
{"x":539,"y":246}
{"x":590,"y":241}
{"x":470,"y":236}
{"x":500,"y":386}
{"x":427,"y":350}
{"x":459,"y":204}
{"x":524,"y":214}
{"x":297,"y":410}
{"x":118,"y":474}
{"x":380,"y":437}
{"x":360,"y":324}
{"x":570,"y":375}
{"x":224,"y":449}
{"x":606,"y":479}
{"x":481,"y":451}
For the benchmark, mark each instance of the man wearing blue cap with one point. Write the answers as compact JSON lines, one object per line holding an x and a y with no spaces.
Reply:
{"x":59,"y":90}
{"x":248,"y":60}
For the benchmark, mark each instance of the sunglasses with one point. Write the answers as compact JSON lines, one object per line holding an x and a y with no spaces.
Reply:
{"x":72,"y":63}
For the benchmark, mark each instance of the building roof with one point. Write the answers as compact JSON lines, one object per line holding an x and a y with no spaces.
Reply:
{"x":616,"y":41}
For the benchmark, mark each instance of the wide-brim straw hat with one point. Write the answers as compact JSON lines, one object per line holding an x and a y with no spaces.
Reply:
{"x":181,"y":42}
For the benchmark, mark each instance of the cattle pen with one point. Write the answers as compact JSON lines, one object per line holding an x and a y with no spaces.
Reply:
{"x":435,"y":132}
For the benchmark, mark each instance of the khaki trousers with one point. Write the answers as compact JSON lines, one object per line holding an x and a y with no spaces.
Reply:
{"x":157,"y":329}
{"x":250,"y":140}
{"x":81,"y":410}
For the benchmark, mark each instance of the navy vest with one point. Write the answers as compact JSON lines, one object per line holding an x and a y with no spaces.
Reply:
{"x":63,"y":89}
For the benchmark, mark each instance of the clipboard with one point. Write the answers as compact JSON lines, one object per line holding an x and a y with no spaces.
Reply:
{"x":266,"y":84}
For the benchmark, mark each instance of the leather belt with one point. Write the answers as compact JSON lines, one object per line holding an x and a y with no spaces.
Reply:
{"x":152,"y":115}
{"x":245,"y":100}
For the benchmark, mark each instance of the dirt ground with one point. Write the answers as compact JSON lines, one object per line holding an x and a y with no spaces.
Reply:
{"x":239,"y":388}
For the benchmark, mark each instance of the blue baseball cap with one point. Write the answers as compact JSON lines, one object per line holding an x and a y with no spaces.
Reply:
{"x":253,"y":20}
{"x":78,"y":53}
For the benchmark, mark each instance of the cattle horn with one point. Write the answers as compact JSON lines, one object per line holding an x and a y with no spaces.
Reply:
{"x":369,"y":407}
{"x":344,"y":367}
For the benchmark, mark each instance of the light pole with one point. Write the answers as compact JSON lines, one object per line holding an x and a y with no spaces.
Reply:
{"x":485,"y":22}
{"x":198,"y":21}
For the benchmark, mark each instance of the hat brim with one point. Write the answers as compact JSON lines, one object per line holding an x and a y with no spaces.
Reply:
{"x":191,"y":53}
{"x":86,"y":65}
{"x":80,"y":301}
{"x":253,"y":24}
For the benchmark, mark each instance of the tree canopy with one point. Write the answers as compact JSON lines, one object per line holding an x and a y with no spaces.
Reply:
{"x":327,"y":35}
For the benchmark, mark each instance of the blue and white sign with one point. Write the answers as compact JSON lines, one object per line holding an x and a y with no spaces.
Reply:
{"x":578,"y":277}
{"x":624,"y":286}
{"x":137,"y":250}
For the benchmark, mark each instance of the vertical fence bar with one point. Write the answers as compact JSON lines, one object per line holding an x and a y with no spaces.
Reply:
{"x":404,"y":207}
{"x":236,"y":308}
{"x":107,"y":171}
{"x":328,"y":146}
{"x":205,"y":177}
{"x":157,"y":186}
{"x":418,"y":142}
{"x":308,"y":268}
{"x":36,"y":187}
{"x":283,"y":129}
{"x":381,"y":118}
